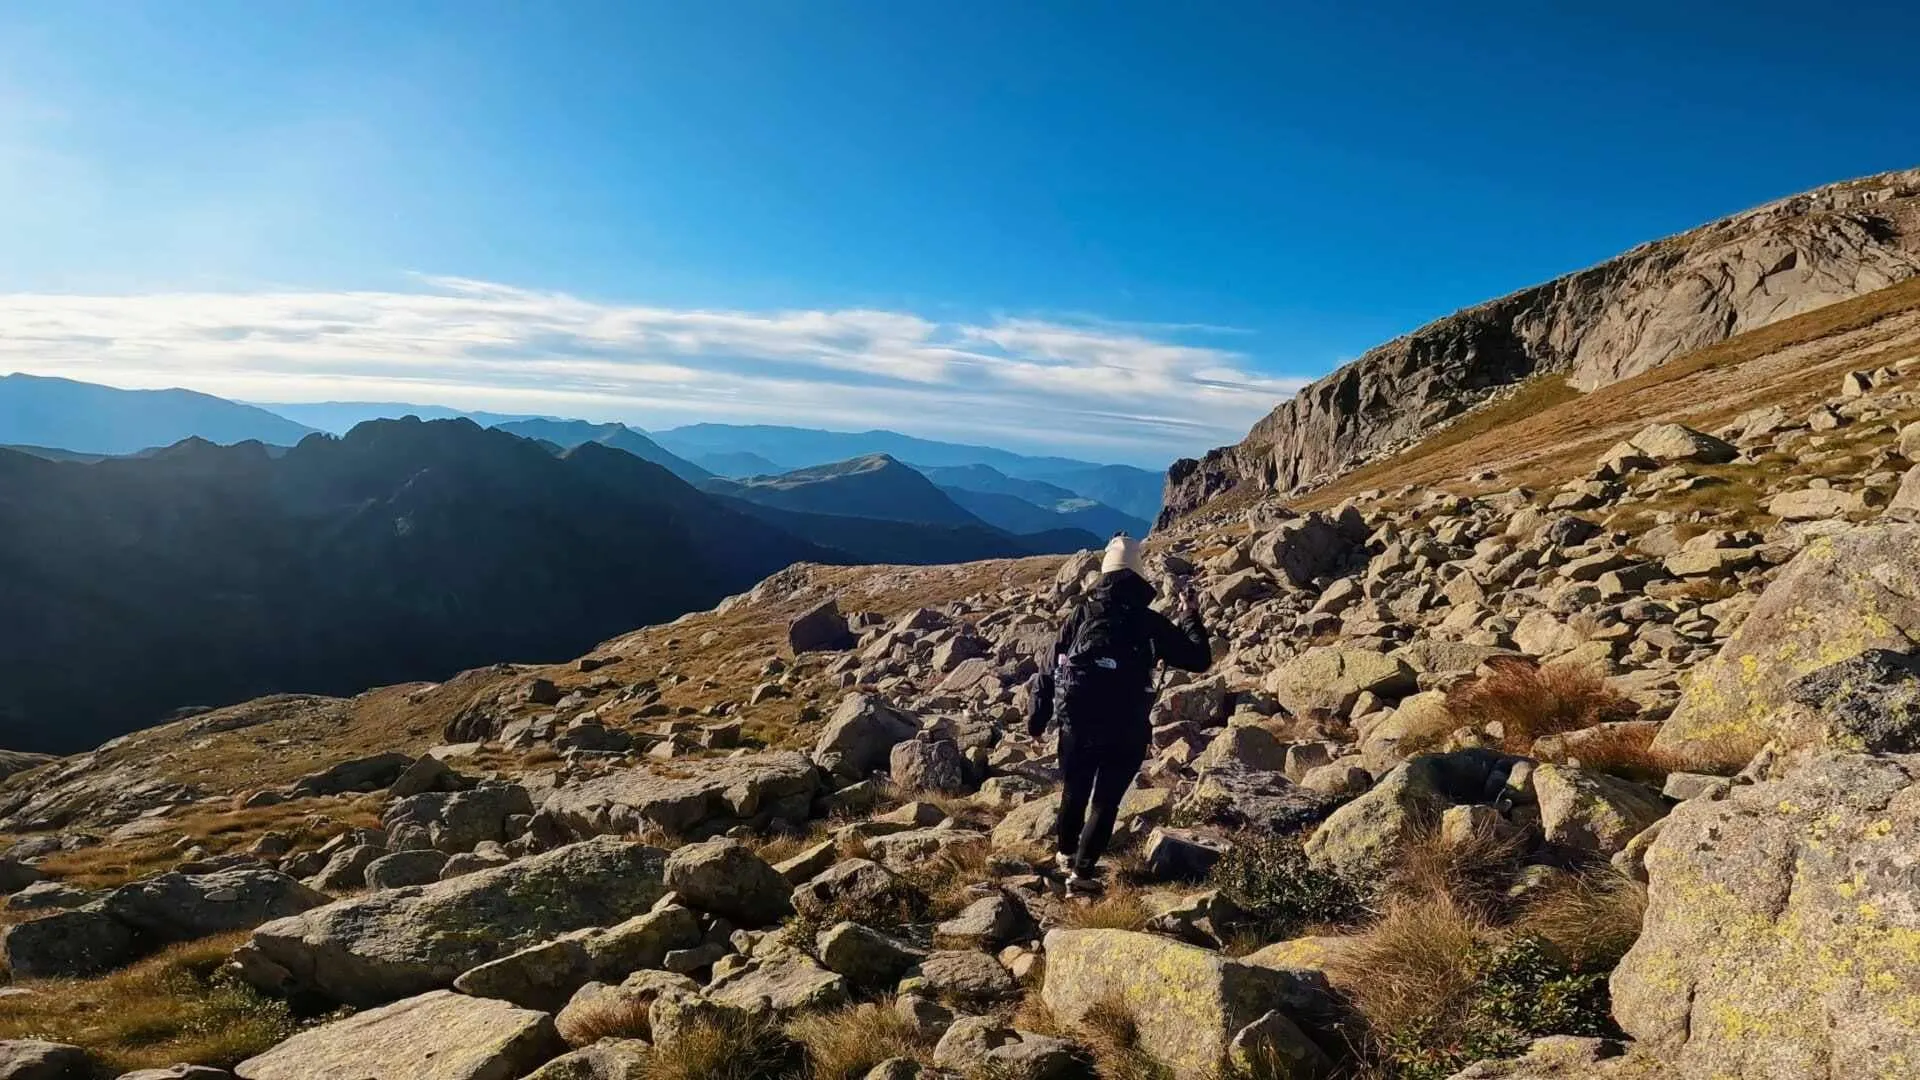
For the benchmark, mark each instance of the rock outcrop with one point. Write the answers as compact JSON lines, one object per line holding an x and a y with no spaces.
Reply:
{"x":1596,"y":326}
{"x":387,"y":945}
{"x":1780,"y":933}
{"x":436,"y":1036}
{"x":1842,"y":596}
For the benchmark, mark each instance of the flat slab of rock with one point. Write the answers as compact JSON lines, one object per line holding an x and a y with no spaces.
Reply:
{"x":1188,"y":1003}
{"x":400,"y":942}
{"x":709,"y":797}
{"x":436,"y":1036}
{"x":37,"y":1059}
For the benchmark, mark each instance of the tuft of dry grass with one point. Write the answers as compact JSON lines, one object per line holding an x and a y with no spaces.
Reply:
{"x":1121,"y":908}
{"x":730,"y":1049}
{"x":1413,"y":969}
{"x":1470,"y":873}
{"x":173,"y":1006}
{"x":946,"y":878}
{"x":1111,"y":1036}
{"x":783,"y":846}
{"x":1529,"y":701}
{"x":1592,"y":918}
{"x":1626,"y":752}
{"x":847,"y":1043}
{"x":609,"y":1016}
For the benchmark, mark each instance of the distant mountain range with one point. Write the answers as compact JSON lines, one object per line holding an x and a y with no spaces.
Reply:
{"x":738,"y":451}
{"x":203,"y":574}
{"x":567,"y":434}
{"x":766,"y":448}
{"x":61,"y":414}
{"x":200,"y":574}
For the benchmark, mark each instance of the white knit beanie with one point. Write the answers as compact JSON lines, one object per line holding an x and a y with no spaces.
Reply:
{"x":1124,"y":553}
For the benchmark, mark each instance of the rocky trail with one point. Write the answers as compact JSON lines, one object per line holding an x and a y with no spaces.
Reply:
{"x":1606,"y":769}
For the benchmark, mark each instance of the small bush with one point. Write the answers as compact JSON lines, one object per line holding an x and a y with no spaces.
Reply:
{"x":1410,"y":974}
{"x":1439,"y":989}
{"x":1529,"y":701}
{"x":847,"y":1043}
{"x":1270,"y":879}
{"x":731,"y":1049}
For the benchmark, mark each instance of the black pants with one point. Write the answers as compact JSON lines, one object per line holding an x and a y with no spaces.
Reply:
{"x":1101,"y":773}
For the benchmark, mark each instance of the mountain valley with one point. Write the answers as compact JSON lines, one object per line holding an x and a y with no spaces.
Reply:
{"x":1562,"y":723}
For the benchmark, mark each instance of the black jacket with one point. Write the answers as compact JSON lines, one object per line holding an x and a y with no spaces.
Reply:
{"x":1122,"y":704}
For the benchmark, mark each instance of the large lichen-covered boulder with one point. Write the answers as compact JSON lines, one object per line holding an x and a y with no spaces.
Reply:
{"x":1328,"y":679}
{"x":180,"y":907}
{"x":1361,"y":840}
{"x":1188,"y":1003}
{"x":436,"y":1036}
{"x":1781,"y":928}
{"x":725,"y":877}
{"x":1590,"y":812}
{"x":392,"y":944}
{"x":85,"y":941}
{"x":1841,"y":596}
{"x":699,"y":798}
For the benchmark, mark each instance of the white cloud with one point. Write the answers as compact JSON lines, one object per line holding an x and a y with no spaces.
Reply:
{"x":1134,"y":391}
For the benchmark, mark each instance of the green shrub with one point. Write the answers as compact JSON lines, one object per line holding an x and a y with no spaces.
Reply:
{"x":1520,"y":990}
{"x":1270,"y":879}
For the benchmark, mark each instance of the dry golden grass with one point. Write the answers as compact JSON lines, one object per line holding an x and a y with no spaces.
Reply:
{"x":1469,"y":874}
{"x":783,"y":846}
{"x":308,"y":822}
{"x":1121,"y":908}
{"x":1626,"y":752}
{"x":1111,"y":1036}
{"x":1592,"y":917}
{"x":1529,"y":701}
{"x":730,"y":1049}
{"x":847,"y":1043}
{"x":609,"y":1016}
{"x":1413,"y":969}
{"x":168,"y":1008}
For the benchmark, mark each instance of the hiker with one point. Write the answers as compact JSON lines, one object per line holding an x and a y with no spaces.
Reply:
{"x":1098,"y":683}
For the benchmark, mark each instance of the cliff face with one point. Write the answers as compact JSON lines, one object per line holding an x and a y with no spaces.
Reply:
{"x":1599,"y":325}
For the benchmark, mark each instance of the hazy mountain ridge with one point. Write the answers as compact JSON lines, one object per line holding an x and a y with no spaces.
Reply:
{"x":207,"y":574}
{"x":85,"y":418}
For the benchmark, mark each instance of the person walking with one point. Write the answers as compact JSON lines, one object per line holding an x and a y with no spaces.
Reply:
{"x":1098,"y":684}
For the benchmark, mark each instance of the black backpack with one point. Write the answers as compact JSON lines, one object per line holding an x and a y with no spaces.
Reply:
{"x":1112,"y":643}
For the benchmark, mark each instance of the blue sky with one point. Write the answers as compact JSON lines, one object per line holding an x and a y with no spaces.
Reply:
{"x":1121,"y":230}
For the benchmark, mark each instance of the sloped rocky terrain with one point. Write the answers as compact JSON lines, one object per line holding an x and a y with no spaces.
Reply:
{"x":1592,"y":328}
{"x":1582,"y":752}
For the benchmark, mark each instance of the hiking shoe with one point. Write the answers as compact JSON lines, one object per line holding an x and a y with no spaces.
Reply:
{"x":1079,"y":884}
{"x":1063,"y":864}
